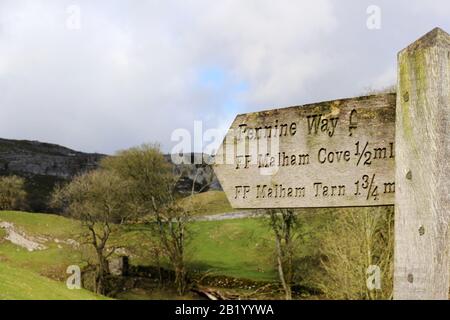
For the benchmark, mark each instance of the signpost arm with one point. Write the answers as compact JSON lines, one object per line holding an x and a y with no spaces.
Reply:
{"x":421,"y":267}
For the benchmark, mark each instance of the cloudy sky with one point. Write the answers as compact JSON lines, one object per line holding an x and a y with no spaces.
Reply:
{"x":103,"y":75}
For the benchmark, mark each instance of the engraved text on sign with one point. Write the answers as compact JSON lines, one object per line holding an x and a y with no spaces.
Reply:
{"x":330,"y":154}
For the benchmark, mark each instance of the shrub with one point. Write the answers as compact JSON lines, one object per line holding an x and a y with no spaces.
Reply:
{"x":12,"y":193}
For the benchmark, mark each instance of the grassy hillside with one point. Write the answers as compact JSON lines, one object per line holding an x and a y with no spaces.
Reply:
{"x":34,"y":275}
{"x":22,"y":284}
{"x":52,"y":229}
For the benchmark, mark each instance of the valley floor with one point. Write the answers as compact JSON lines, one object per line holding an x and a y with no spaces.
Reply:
{"x":239,"y":250}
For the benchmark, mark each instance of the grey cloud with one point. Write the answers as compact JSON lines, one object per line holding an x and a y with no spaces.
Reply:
{"x":130,"y":74}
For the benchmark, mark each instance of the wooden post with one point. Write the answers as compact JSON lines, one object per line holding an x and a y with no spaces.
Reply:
{"x":422,"y":169}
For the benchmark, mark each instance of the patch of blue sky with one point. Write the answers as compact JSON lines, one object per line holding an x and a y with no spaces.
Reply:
{"x":212,"y":77}
{"x":226,"y":86}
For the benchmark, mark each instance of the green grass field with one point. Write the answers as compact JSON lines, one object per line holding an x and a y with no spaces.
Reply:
{"x":236,"y":248}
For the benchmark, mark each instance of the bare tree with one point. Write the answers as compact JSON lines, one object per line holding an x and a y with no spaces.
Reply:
{"x":98,"y":199}
{"x":284,"y":226}
{"x":171,"y":225}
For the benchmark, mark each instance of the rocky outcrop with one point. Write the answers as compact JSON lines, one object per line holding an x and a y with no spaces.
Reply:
{"x":21,"y":239}
{"x":29,"y":158}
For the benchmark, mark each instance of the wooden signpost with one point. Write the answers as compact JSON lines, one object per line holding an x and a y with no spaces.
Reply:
{"x":388,"y":149}
{"x":422,"y":201}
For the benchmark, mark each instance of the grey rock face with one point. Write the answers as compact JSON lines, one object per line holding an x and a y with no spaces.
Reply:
{"x":28,"y":158}
{"x":194,"y":169}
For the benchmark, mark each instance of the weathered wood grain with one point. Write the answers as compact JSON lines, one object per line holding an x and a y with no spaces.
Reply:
{"x":329,"y":154}
{"x":422,"y":169}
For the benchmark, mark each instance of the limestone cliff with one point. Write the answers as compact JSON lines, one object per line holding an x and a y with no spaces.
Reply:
{"x":43,"y":165}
